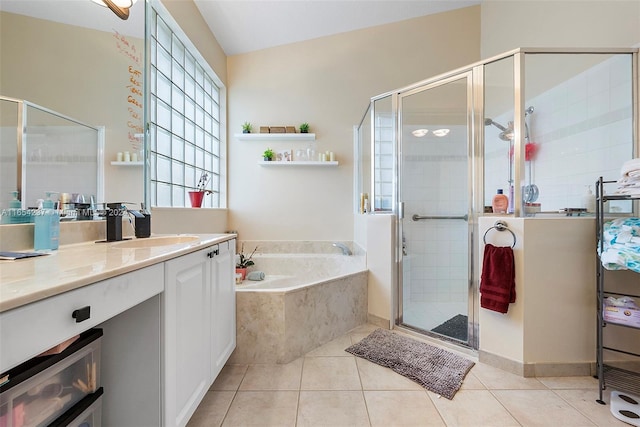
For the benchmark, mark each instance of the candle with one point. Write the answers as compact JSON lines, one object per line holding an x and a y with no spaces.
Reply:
{"x":119,"y":156}
{"x":332,"y":156}
{"x":134,"y":157}
{"x":127,"y":156}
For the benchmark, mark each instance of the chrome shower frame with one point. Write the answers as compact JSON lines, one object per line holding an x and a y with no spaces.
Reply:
{"x":477,"y":146}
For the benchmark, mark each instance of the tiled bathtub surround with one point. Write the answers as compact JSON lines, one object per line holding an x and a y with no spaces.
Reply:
{"x":305,"y":301}
{"x":297,"y":247}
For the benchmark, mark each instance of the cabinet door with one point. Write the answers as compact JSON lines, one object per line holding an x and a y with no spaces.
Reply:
{"x":223,"y":333}
{"x":187,"y":318}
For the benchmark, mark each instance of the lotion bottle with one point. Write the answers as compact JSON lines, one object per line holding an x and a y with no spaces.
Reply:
{"x":589,"y":200}
{"x":500,"y":203}
{"x":46,"y":233}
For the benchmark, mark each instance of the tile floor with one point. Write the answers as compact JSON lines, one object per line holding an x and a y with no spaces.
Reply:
{"x":330,"y":387}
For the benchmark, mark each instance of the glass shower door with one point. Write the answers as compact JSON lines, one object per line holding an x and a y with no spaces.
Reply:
{"x":435,"y":187}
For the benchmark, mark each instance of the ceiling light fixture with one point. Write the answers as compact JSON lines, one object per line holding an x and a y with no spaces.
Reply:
{"x":441,"y":132}
{"x":419,"y":133}
{"x":119,"y":7}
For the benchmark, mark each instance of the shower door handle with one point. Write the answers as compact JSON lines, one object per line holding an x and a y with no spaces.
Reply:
{"x":401,"y":210}
{"x":417,"y":217}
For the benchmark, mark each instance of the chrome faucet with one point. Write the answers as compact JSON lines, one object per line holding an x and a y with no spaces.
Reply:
{"x":345,"y":249}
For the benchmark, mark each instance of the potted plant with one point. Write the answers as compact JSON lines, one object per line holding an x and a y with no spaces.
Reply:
{"x":268,"y":155}
{"x":304,"y":128}
{"x":243,"y":261}
{"x":246,"y":127}
{"x":197,"y":196}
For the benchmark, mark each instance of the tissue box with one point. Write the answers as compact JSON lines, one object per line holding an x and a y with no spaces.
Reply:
{"x":621,"y":315}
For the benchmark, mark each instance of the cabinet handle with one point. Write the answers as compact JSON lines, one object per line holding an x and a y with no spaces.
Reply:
{"x":213,"y":253}
{"x":81,"y":314}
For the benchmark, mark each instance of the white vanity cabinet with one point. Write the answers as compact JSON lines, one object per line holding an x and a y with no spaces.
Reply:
{"x":223,"y":334}
{"x":199,"y":307}
{"x":169,"y":327}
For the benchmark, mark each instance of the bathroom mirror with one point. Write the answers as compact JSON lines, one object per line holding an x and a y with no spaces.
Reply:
{"x":79,"y":59}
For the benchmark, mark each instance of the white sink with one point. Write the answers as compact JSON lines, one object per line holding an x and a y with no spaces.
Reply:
{"x":151,"y":242}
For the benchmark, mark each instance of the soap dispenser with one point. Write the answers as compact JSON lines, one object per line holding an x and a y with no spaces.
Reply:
{"x":15,"y":214}
{"x":143,"y":225}
{"x":46,"y":233}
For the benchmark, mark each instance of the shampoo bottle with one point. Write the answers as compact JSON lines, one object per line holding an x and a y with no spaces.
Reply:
{"x":500,"y":203}
{"x":46,"y":232}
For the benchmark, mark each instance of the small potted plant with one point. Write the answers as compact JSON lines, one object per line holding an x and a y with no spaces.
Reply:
{"x":304,"y":128}
{"x":197,"y":196}
{"x":246,"y":127}
{"x":243,"y":261}
{"x":268,"y":155}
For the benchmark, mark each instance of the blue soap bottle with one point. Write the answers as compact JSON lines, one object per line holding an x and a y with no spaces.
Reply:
{"x":15,"y":214}
{"x":12,"y":215}
{"x":46,"y":233}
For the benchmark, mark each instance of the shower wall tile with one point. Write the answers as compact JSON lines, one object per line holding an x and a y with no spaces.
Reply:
{"x":583,"y":128}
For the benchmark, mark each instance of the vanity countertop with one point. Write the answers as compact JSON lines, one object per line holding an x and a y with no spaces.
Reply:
{"x":72,"y":266}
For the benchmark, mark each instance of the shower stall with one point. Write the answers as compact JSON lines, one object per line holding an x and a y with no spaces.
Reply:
{"x":540,"y":124}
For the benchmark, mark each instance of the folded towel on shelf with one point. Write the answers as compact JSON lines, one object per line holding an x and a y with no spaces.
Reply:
{"x":255,"y":276}
{"x":497,"y":282}
{"x":630,"y":166}
{"x":621,"y":244}
{"x":628,"y":190}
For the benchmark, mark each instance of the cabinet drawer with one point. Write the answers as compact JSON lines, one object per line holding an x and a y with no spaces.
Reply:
{"x":44,"y":388}
{"x":31,"y":329}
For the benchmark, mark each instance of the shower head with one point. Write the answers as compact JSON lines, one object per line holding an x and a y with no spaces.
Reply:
{"x":507,"y":133}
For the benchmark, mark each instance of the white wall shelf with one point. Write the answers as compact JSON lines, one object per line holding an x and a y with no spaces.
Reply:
{"x":275,"y":136}
{"x":295,"y":163}
{"x":114,"y":163}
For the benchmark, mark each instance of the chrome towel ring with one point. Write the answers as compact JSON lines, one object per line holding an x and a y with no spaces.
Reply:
{"x":500,"y":226}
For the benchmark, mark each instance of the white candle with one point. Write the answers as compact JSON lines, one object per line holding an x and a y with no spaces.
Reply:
{"x":127,"y":156}
{"x":332,"y":156}
{"x":134,"y":157}
{"x":119,"y":156}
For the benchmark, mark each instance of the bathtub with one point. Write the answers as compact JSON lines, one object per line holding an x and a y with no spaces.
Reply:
{"x":306,"y":300}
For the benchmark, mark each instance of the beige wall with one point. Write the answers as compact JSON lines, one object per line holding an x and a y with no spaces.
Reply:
{"x":327,"y":82}
{"x":508,"y":24}
{"x":552,"y":324}
{"x":188,"y":17}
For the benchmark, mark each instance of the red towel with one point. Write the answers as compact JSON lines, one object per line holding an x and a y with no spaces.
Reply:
{"x":497,"y":283}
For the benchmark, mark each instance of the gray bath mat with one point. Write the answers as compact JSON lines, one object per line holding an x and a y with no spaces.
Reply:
{"x":437,"y":370}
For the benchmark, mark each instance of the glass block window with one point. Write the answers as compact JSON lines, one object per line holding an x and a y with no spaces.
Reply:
{"x":186,"y":107}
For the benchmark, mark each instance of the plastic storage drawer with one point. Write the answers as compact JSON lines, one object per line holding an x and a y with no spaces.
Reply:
{"x":86,"y":413}
{"x":44,"y":388}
